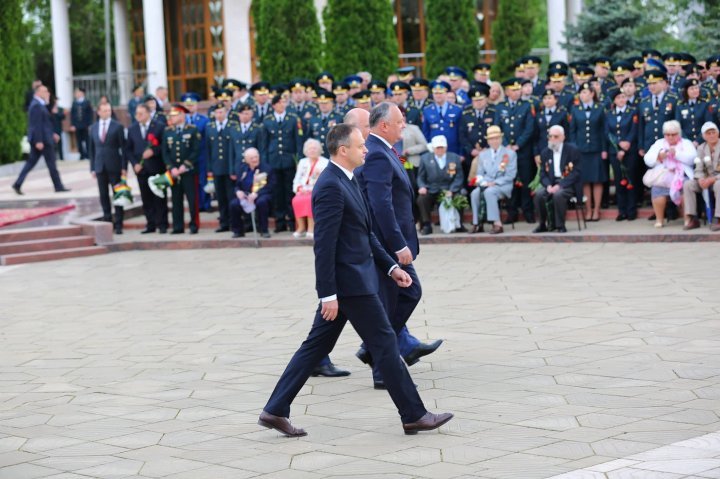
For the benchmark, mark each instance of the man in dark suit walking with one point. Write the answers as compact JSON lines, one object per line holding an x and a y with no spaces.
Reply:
{"x":346,"y":252}
{"x":42,"y":140}
{"x":108,"y":163}
{"x":81,"y":117}
{"x":144,"y":150}
{"x":390,"y":195}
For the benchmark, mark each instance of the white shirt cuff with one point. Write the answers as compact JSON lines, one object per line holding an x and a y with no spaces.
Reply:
{"x":392,"y":268}
{"x":328,"y":298}
{"x":400,"y":251}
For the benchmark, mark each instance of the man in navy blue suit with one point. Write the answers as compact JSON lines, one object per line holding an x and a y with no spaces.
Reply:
{"x":346,"y":255}
{"x":390,"y":195}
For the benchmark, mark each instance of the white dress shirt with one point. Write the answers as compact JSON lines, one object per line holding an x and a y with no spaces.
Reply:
{"x":556,"y":162}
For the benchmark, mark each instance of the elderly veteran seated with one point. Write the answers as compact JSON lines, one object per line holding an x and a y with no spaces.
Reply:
{"x":560,"y":180}
{"x":493,"y":173}
{"x":440,"y":170}
{"x":307,"y":173}
{"x":671,"y":160}
{"x":253,"y":193}
{"x":705,"y":178}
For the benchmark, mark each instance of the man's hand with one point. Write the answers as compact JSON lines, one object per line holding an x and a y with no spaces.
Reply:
{"x":138,"y":168}
{"x":148,"y":153}
{"x":706,"y":183}
{"x":92,"y":173}
{"x":537,"y":160}
{"x":624,"y":144}
{"x":329,"y":309}
{"x":401,"y":277}
{"x":422,"y":191}
{"x":252,"y":197}
{"x":404,"y":256}
{"x":56,"y":137}
{"x":475,"y":152}
{"x":174,"y":172}
{"x":123,"y":172}
{"x":514,"y":147}
{"x":553,"y":189}
{"x":448,"y":194}
{"x":620,"y":155}
{"x":72,"y":128}
{"x":182,"y":169}
{"x":604,"y":155}
{"x":490,"y":183}
{"x":39,"y":146}
{"x":641,"y":152}
{"x":240,"y":195}
{"x":233,"y":177}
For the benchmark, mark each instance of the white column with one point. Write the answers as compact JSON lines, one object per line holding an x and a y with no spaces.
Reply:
{"x":62,"y":55}
{"x":556,"y":17}
{"x":573,"y":10}
{"x":236,"y":31}
{"x":155,"y":58}
{"x":123,"y":62}
{"x":319,"y":7}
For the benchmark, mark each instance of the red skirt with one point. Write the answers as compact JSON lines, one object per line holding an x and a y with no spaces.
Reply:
{"x":302,"y":205}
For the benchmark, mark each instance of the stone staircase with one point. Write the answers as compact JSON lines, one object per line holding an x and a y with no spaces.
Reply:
{"x":32,"y":245}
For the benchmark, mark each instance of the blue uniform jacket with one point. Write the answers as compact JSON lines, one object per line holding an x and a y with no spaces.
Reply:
{"x":517,"y":124}
{"x":220,"y":148}
{"x":435,"y":124}
{"x":282,"y":141}
{"x":559,"y":117}
{"x":588,"y":132}
{"x":651,"y":119}
{"x":624,"y":129}
{"x":692,"y":117}
{"x":246,"y":176}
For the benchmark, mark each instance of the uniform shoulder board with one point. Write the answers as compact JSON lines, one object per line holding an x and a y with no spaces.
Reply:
{"x":292,"y":114}
{"x":169,"y":128}
{"x":191,"y":126}
{"x":212,"y":123}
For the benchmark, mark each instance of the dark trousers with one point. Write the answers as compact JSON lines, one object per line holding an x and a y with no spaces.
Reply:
{"x":81,"y":137}
{"x":282,"y":195}
{"x":367,"y":316}
{"x":558,"y":202}
{"x":426,"y":203}
{"x":186,"y":184}
{"x":262,"y":214}
{"x":59,"y":148}
{"x":106,"y":180}
{"x":48,"y":152}
{"x":224,"y":193}
{"x":412,"y":176}
{"x":626,"y":200}
{"x":154,"y":208}
{"x":521,"y":197}
{"x":204,"y":199}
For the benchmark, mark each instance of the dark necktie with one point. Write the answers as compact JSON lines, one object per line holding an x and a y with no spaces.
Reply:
{"x":655,"y":102}
{"x":143,"y":131}
{"x":397,"y":155}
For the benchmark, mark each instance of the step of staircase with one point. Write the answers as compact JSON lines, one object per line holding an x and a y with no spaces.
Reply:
{"x":49,"y":255}
{"x":30,"y":246}
{"x":30,"y":234}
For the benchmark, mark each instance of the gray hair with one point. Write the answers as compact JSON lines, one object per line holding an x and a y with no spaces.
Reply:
{"x":310,"y":142}
{"x":251,"y":150}
{"x":672,"y":126}
{"x":557,"y":129}
{"x":380,"y":113}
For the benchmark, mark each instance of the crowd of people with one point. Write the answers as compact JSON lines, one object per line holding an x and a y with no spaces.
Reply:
{"x":530,"y":145}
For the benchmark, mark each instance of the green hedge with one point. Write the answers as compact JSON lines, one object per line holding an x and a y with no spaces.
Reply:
{"x":452,"y":35}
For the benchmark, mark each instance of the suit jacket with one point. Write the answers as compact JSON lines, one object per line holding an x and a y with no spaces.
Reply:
{"x":390,"y":194}
{"x":435,"y":179}
{"x":136,"y":145}
{"x":491,"y":170}
{"x":703,"y":171}
{"x":107,"y":156}
{"x":413,"y":144}
{"x":81,"y":114}
{"x":570,"y":161}
{"x":346,"y":249}
{"x":246,"y":176}
{"x":40,"y":124}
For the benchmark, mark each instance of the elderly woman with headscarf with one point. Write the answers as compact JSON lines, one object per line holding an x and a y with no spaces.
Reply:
{"x":671,"y":161}
{"x":307,"y":173}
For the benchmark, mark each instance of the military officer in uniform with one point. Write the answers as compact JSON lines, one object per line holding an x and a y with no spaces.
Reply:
{"x":443,"y":118}
{"x":190,"y":100}
{"x":550,"y":114}
{"x":672,"y":64}
{"x":602,"y":71}
{"x":630,"y":87}
{"x":378,"y":92}
{"x":342,"y":106}
{"x":399,"y":91}
{"x":248,"y":135}
{"x":456,"y":75}
{"x":622,"y":132}
{"x":327,"y":117}
{"x":621,"y":72}
{"x":638,"y":71}
{"x":180,"y":150}
{"x":420,"y":89}
{"x":238,"y":91}
{"x":354,"y":84}
{"x":515,"y":118}
{"x":474,"y":124}
{"x":298,"y":104}
{"x":557,"y":77}
{"x":692,"y":111}
{"x":481,"y":73}
{"x":363,"y":100}
{"x":325,"y":80}
{"x":261,"y":92}
{"x":283,"y":142}
{"x":532,"y":73}
{"x":221,"y":134}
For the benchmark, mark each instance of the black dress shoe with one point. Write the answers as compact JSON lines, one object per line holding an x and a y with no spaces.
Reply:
{"x":428,"y":422}
{"x":329,"y":371}
{"x":621,"y":217}
{"x":540,"y":229}
{"x":561,"y":229}
{"x":381,"y":385}
{"x":193,"y":230}
{"x":461,"y":229}
{"x":62,"y":190}
{"x":280,"y":424}
{"x":652,"y":217}
{"x":17,"y":190}
{"x":422,"y":349}
{"x":426,"y":230}
{"x":118,"y":231}
{"x":364,"y":356}
{"x":265,"y":234}
{"x":476,"y":229}
{"x":222,"y":229}
{"x":530,"y":219}
{"x":177,"y":232}
{"x":238,"y":235}
{"x":162,"y":231}
{"x":632,"y":217}
{"x":510,"y":219}
{"x":147,"y":230}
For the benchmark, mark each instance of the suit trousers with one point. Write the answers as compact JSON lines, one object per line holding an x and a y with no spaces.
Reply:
{"x":690,"y":190}
{"x":282,"y":194}
{"x":559,"y":203}
{"x":224,"y":194}
{"x":106,"y":180}
{"x":521,"y":197}
{"x":425,"y":204}
{"x":625,"y":198}
{"x":186,"y":184}
{"x":49,"y":153}
{"x":491,"y":197}
{"x":262,"y":214}
{"x":82,"y":136}
{"x":368,"y":318}
{"x":154,"y":208}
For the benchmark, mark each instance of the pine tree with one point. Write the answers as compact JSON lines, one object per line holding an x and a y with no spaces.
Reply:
{"x":511,"y":35}
{"x":14,"y":79}
{"x":615,"y":28}
{"x":452,"y":35}
{"x":350,"y":48}
{"x":289,"y":39}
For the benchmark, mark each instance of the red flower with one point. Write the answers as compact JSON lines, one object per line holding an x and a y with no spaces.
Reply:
{"x":623,"y":182}
{"x":473,"y":181}
{"x":152,"y":139}
{"x":518,"y":184}
{"x":630,"y":186}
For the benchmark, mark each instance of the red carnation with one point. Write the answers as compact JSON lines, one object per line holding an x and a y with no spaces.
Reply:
{"x":152,"y":139}
{"x":624,"y":182}
{"x":630,"y":186}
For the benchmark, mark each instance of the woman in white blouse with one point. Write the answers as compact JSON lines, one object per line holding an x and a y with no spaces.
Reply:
{"x":308,"y":171}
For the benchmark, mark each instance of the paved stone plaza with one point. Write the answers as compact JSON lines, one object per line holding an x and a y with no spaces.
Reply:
{"x":576,"y":361}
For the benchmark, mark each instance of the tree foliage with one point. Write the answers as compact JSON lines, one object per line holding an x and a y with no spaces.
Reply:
{"x":511,"y":34}
{"x":15,"y":77}
{"x":452,"y":35}
{"x":289,"y":39}
{"x":350,"y":48}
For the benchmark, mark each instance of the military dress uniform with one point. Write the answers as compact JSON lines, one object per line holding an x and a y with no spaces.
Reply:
{"x":544,"y":119}
{"x":181,"y":146}
{"x":305,"y":110}
{"x":247,"y":135}
{"x":443,"y":120}
{"x":692,"y":114}
{"x":319,"y":127}
{"x":473,"y":127}
{"x":587,"y":132}
{"x":622,"y":125}
{"x":201,"y":122}
{"x":283,"y":142}
{"x":223,"y":164}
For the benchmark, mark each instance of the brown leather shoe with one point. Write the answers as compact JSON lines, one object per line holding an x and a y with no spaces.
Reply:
{"x":428,"y":422}
{"x":694,"y":223}
{"x":496,"y":230}
{"x":280,"y":424}
{"x":476,"y":229}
